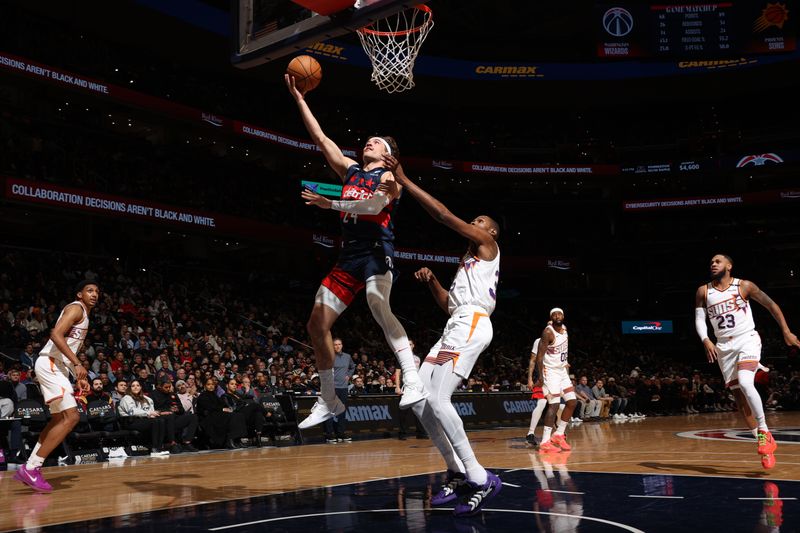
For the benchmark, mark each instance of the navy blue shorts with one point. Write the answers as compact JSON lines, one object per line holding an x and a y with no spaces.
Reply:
{"x":355,"y":266}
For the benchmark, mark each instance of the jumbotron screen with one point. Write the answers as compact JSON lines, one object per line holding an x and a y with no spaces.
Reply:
{"x":711,"y":29}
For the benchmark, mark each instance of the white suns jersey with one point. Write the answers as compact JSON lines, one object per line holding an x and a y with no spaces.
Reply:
{"x":535,"y":348}
{"x":475,"y":283}
{"x":74,"y":337}
{"x":730,"y":314}
{"x":556,"y":354}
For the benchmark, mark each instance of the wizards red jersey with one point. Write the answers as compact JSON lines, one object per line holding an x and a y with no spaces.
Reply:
{"x":365,"y":230}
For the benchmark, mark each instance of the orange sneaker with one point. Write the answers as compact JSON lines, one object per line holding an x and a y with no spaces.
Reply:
{"x":766,"y":444}
{"x":768,"y":461}
{"x":548,"y":447}
{"x":561,"y":442}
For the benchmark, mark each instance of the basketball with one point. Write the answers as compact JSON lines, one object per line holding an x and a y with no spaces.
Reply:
{"x":307,"y":72}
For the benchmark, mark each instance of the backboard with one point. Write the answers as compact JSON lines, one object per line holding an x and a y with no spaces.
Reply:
{"x":265,"y":30}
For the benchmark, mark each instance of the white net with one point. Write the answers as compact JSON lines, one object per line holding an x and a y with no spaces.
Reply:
{"x":392,"y":45}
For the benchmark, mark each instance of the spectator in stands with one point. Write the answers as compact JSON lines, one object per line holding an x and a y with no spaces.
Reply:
{"x":181,"y":425}
{"x":27,"y":356}
{"x":19,"y":388}
{"x":343,"y":368}
{"x":120,"y":389}
{"x":12,"y":440}
{"x":589,"y":406}
{"x":357,"y":387}
{"x":245,"y":391}
{"x":186,"y":398}
{"x":223,"y":426}
{"x":98,"y":393}
{"x":601,"y":396}
{"x":146,"y":379}
{"x":619,"y":401}
{"x":262,"y":385}
{"x":138,"y":412}
{"x":252,"y":411}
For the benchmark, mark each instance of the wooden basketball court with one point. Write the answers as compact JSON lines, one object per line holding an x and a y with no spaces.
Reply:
{"x":126,"y":490}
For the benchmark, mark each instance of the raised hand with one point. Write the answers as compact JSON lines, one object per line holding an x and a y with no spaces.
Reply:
{"x":293,"y":90}
{"x":391,"y":163}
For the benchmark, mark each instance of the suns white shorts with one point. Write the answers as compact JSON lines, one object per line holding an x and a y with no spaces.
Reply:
{"x":739,"y":352}
{"x":54,"y":381}
{"x":557,"y":385}
{"x":466,"y":335}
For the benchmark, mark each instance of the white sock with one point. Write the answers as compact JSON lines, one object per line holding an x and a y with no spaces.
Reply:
{"x":442,"y":385}
{"x":746,"y":383}
{"x":326,"y":386}
{"x":378,"y":290}
{"x":546,"y":434}
{"x":754,"y":431}
{"x":562,"y":427}
{"x":428,"y":419}
{"x":34,"y":461}
{"x":537,"y":414}
{"x":36,"y":448}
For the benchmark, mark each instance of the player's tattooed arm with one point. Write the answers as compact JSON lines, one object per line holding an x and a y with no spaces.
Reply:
{"x":439,"y":294}
{"x":751,"y":290}
{"x":547,"y":339}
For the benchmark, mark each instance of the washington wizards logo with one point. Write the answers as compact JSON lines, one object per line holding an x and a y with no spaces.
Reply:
{"x":781,"y":435}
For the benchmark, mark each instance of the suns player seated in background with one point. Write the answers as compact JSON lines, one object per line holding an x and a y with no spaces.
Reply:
{"x":366,"y":260}
{"x":55,"y":363}
{"x":725,"y":302}
{"x":551,"y":362}
{"x":469,"y":302}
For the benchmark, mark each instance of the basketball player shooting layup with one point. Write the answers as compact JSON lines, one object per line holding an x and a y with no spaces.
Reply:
{"x":724,"y":301}
{"x":469,"y":302}
{"x":365,"y":260}
{"x":551,"y":362}
{"x":53,"y":366}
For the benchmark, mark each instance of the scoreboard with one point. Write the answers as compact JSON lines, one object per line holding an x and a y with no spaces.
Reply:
{"x":710,"y":29}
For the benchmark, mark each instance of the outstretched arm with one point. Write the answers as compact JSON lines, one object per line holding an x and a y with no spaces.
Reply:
{"x":440,"y":213}
{"x":367,"y":206}
{"x":751,"y":290}
{"x":439,"y":294}
{"x":333,"y":154}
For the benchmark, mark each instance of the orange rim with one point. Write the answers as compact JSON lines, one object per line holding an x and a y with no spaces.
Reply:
{"x":417,"y":29}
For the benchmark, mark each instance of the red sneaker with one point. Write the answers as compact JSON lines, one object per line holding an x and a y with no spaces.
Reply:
{"x":548,"y":447}
{"x":561,"y":442}
{"x":768,"y":461}
{"x":766,"y":444}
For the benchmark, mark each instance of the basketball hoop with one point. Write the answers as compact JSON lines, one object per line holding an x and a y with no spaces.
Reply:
{"x":392,"y":45}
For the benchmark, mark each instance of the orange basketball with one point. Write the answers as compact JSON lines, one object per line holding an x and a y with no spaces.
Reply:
{"x":306,"y":71}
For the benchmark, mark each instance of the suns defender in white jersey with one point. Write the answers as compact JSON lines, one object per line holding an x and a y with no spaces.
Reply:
{"x":469,"y":302}
{"x":551,"y":361}
{"x":53,"y":366}
{"x":725,"y":301}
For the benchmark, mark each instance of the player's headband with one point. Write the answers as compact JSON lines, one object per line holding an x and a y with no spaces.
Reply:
{"x":388,"y":148}
{"x":556,"y":310}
